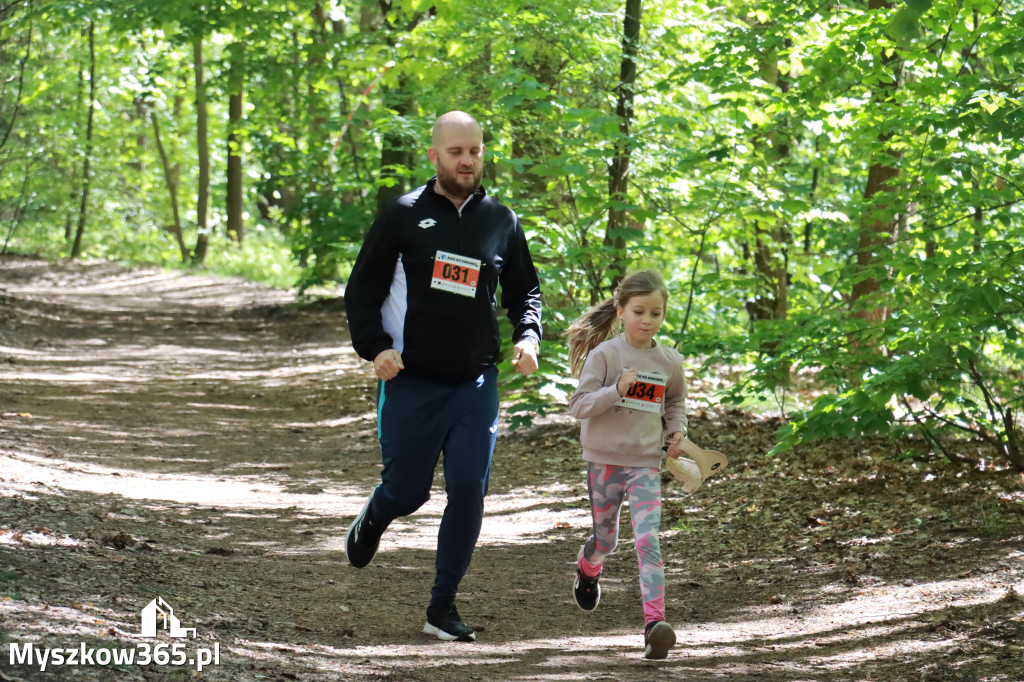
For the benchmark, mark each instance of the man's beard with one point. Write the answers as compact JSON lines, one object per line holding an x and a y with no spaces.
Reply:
{"x":454,"y":185}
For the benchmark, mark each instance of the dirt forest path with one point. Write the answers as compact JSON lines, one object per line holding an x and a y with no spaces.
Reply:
{"x":207,"y":441}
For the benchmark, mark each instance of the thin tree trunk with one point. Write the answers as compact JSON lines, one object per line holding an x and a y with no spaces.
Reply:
{"x":171,"y":177}
{"x":76,"y":248}
{"x":21,"y":86}
{"x":138,"y":164}
{"x":969,"y":58}
{"x":20,"y":211}
{"x":618,"y":171}
{"x":234,"y":178}
{"x":73,"y":196}
{"x":345,"y":109}
{"x":203,"y":152}
{"x":318,"y":179}
{"x":772,"y":238}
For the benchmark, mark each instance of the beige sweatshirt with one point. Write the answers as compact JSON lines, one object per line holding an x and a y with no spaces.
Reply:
{"x":627,"y":430}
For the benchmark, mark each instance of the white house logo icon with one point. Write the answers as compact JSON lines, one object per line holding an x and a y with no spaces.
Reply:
{"x":158,"y":608}
{"x":427,"y":222}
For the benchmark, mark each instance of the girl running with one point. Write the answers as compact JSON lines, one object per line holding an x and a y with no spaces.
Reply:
{"x":631,"y":391}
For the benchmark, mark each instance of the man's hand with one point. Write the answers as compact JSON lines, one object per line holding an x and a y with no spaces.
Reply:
{"x":524,"y":357}
{"x":388,"y":364}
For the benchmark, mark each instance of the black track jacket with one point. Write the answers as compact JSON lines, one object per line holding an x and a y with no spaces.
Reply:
{"x":425,"y":282}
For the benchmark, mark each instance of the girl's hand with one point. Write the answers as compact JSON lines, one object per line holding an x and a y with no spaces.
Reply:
{"x":627,"y":379}
{"x":675,"y":447}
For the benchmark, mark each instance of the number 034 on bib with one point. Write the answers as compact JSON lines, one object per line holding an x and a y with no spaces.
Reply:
{"x":647,"y":394}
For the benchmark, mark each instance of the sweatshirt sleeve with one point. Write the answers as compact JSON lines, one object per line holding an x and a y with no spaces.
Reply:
{"x":520,"y":289}
{"x":368,"y":287}
{"x":592,"y":397}
{"x":675,"y":399}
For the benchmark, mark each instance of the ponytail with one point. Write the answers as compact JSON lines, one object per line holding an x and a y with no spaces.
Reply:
{"x":588,"y":331}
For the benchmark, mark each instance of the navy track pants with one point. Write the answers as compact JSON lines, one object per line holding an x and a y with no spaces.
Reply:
{"x":417,"y":420}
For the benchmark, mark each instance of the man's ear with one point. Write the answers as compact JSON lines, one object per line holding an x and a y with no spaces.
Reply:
{"x":432,"y":155}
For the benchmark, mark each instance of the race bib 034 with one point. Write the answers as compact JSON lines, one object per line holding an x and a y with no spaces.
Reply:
{"x":647,"y":394}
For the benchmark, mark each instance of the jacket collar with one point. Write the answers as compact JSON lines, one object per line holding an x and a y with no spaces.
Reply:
{"x":474,"y":199}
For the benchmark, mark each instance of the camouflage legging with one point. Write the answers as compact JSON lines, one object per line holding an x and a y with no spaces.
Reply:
{"x":609,"y":486}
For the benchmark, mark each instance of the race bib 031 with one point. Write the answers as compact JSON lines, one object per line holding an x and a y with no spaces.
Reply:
{"x":455,"y":274}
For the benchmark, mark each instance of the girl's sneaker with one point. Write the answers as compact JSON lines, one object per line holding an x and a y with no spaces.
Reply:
{"x":659,"y":637}
{"x":586,"y":590}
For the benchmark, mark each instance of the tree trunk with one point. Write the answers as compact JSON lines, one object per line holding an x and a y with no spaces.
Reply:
{"x":171,"y":176}
{"x":772,"y":238}
{"x":317,"y":181}
{"x":83,"y":207}
{"x":21,"y":86}
{"x":529,"y":140}
{"x":234,"y":178}
{"x":879,"y":222}
{"x":141,"y":113}
{"x":74,"y":197}
{"x":203,"y":152}
{"x":397,"y":151}
{"x":19,"y":212}
{"x":618,"y":171}
{"x":876,"y":235}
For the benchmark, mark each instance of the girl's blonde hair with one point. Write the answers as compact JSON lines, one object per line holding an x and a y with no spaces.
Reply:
{"x":597,"y":324}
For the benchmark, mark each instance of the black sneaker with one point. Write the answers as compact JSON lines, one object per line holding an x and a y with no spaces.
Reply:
{"x":587,"y":591}
{"x":659,"y":637}
{"x":445,"y":623}
{"x":363,"y":538}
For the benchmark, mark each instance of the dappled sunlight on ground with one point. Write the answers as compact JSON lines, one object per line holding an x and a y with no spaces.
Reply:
{"x":524,"y":516}
{"x":712,"y":648}
{"x":850,"y":626}
{"x":708,"y":649}
{"x":26,"y":473}
{"x":209,"y":442}
{"x":9,"y":537}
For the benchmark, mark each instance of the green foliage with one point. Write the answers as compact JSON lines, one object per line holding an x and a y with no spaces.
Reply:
{"x":947,"y":359}
{"x":905,"y":23}
{"x":755,"y":128}
{"x":263,"y":257}
{"x":546,"y":390}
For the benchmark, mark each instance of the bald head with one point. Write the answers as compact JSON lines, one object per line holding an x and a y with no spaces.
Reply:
{"x":457,"y":152}
{"x":455,"y":122}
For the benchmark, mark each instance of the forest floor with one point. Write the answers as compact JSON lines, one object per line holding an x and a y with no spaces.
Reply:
{"x":208,"y":441}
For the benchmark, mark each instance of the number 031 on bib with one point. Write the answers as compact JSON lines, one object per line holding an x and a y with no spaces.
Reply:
{"x":647,"y":394}
{"x":456,"y":274}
